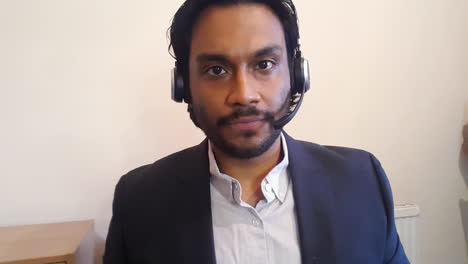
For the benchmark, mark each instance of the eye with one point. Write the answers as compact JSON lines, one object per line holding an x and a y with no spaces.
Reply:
{"x":265,"y":65}
{"x":216,"y":70}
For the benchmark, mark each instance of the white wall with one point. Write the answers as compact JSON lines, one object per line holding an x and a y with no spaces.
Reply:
{"x":84,"y":97}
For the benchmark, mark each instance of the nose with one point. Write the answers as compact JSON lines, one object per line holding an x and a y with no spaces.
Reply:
{"x":243,"y":90}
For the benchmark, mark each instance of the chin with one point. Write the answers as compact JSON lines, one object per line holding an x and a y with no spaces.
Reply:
{"x":247,"y":138}
{"x":247,"y":144}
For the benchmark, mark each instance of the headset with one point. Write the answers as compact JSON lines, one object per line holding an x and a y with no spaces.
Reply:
{"x":300,"y":84}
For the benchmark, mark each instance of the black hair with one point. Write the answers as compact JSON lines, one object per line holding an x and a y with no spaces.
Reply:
{"x":188,"y":14}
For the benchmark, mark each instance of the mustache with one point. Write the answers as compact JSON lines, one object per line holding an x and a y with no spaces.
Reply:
{"x":246,"y":111}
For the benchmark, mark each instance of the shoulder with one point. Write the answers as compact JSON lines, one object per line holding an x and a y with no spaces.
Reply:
{"x":341,"y":165}
{"x":159,"y":177}
{"x":334,"y":154}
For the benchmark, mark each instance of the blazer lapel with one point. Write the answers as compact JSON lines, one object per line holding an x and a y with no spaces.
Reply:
{"x":193,"y":213}
{"x":313,"y":199}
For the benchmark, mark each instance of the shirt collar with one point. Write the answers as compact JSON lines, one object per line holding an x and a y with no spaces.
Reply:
{"x":275,"y":183}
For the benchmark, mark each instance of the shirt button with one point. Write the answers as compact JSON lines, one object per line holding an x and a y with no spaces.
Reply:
{"x":255,"y":222}
{"x":268,"y":187}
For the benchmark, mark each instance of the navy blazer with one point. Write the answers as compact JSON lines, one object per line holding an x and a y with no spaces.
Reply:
{"x":344,"y":209}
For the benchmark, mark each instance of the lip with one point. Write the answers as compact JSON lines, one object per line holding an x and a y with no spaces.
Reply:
{"x":246,"y":123}
{"x":245,"y":120}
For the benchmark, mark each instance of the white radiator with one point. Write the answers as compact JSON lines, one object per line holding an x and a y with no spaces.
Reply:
{"x":406,"y":220}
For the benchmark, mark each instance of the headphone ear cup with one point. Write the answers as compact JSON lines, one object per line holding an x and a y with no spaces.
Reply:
{"x":301,"y":76}
{"x":187,"y":95}
{"x":180,"y":93}
{"x":177,"y":86}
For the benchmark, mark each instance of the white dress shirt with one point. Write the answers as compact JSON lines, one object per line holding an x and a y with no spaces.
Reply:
{"x":266,"y":234}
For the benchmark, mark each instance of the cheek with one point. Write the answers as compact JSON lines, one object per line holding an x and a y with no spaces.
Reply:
{"x":208,"y":104}
{"x":203,"y":93}
{"x":281,"y":96}
{"x":205,"y":115}
{"x":283,"y":87}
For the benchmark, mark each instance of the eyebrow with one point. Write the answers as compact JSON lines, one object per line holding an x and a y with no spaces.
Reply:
{"x":204,"y":57}
{"x":268,"y":50}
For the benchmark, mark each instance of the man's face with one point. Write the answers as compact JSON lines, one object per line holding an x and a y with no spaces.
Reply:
{"x":239,"y":77}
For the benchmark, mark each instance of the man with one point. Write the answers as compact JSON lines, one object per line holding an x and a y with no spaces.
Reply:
{"x":250,"y":193}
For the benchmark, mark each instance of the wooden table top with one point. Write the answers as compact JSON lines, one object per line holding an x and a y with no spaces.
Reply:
{"x":42,"y":243}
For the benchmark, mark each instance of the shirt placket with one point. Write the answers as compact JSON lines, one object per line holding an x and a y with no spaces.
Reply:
{"x":259,"y":247}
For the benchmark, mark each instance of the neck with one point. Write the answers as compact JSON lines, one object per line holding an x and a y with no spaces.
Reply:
{"x":250,"y":172}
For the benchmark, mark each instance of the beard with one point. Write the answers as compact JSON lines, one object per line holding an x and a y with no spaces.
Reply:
{"x":214,"y":130}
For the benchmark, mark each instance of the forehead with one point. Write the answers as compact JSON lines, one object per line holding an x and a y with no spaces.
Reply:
{"x":236,"y":30}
